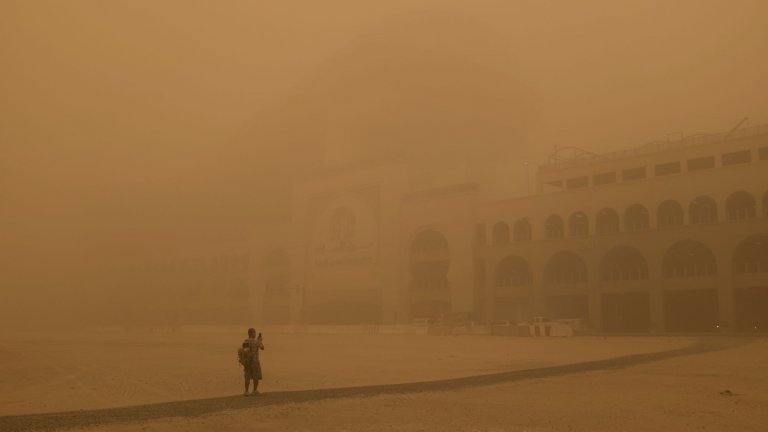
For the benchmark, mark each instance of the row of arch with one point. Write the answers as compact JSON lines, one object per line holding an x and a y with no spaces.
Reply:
{"x":739,"y":205}
{"x":686,"y":258}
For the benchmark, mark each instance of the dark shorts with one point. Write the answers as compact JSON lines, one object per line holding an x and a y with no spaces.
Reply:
{"x":252,"y":372}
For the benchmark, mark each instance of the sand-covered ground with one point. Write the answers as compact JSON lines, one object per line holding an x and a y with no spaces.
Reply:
{"x":100,"y":369}
{"x":677,"y":394}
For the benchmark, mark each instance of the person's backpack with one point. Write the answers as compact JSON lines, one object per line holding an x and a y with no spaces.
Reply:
{"x":244,"y":355}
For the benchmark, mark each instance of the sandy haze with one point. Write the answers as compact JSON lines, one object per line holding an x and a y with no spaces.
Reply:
{"x":394,"y":192}
{"x":136,"y":129}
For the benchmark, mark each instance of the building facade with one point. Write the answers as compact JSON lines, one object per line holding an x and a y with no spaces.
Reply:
{"x":670,"y":237}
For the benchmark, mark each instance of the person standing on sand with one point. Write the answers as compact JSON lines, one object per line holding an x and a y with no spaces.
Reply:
{"x":252,"y":370}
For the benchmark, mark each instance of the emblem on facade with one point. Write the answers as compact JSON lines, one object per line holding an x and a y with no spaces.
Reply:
{"x":342,"y":228}
{"x":347,"y":237}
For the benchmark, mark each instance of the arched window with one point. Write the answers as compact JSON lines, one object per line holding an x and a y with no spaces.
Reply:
{"x":578,"y":224}
{"x":703,"y":209}
{"x":751,"y":256}
{"x":554,"y":227}
{"x":623,"y":263}
{"x":429,"y":241}
{"x":740,"y":205}
{"x":565,"y":268}
{"x":636,"y":218}
{"x":501,"y":233}
{"x":689,"y":258}
{"x":513,"y":271}
{"x":669,"y":214}
{"x":522,"y":231}
{"x":607,"y":221}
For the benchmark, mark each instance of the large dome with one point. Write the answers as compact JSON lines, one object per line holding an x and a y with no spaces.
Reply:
{"x":423,"y":86}
{"x":435,"y":88}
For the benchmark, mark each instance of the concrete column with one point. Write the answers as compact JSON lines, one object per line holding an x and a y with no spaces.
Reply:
{"x":489,"y":306}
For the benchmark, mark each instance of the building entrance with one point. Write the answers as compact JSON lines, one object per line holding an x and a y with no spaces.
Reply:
{"x":751,"y":304}
{"x":340,"y":313}
{"x":429,"y":286}
{"x":626,"y":312}
{"x":569,"y":306}
{"x":691,"y":310}
{"x":510,"y":309}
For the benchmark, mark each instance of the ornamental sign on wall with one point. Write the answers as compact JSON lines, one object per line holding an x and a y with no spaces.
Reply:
{"x":345,"y":234}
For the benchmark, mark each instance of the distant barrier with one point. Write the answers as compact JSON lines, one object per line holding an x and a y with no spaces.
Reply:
{"x":424,"y":329}
{"x":550,"y":328}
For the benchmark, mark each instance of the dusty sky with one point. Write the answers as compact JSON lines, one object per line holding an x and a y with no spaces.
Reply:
{"x":128,"y":126}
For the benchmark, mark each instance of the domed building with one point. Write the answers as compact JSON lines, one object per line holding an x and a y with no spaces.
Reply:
{"x":437,"y":91}
{"x":424,"y":102}
{"x":667,"y":237}
{"x":398,"y":211}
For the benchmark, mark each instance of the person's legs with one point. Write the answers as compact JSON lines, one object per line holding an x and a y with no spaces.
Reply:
{"x":247,"y":377}
{"x":256,"y":375}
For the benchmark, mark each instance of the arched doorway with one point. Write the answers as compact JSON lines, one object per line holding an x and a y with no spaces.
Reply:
{"x":429,"y":287}
{"x":578,"y":225}
{"x":750,"y":268}
{"x":623,"y":263}
{"x":565,"y":280}
{"x":513,"y":271}
{"x":513,"y":280}
{"x":625,"y":311}
{"x":689,"y":258}
{"x":565,"y":268}
{"x":687,"y":307}
{"x":703,"y":209}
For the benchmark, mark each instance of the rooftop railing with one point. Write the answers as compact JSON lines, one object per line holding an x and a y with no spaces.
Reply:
{"x":655,"y":147}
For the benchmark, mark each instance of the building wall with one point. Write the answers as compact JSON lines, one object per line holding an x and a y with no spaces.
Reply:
{"x":451,"y":213}
{"x":381,"y":267}
{"x":720,"y":237}
{"x":344,"y":272}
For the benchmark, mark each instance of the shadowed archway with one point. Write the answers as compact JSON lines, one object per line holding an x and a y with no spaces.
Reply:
{"x":429,"y":286}
{"x":703,"y":209}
